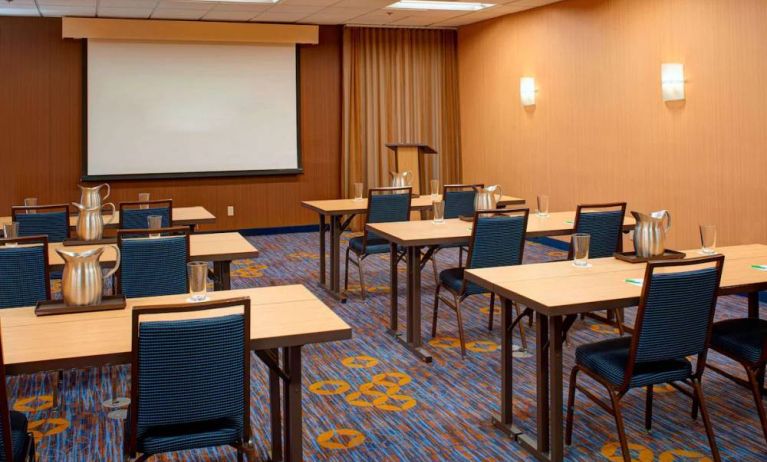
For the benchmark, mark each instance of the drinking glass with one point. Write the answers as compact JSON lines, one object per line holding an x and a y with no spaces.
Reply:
{"x":543,"y":205}
{"x":154,"y":222}
{"x":581,"y":243}
{"x":143,"y":197}
{"x":708,"y":239}
{"x":198,"y":280}
{"x":434,"y":188}
{"x":439,"y":212}
{"x":358,"y":191}
{"x":11,"y":231}
{"x":30,"y":202}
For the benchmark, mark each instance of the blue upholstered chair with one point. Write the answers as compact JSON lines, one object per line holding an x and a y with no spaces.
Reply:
{"x":497,"y":239}
{"x":16,"y":443}
{"x":190,"y":380}
{"x":24,"y":278}
{"x":674,"y":320}
{"x":132,"y":216}
{"x":51,"y":221}
{"x":384,"y":205}
{"x":153,"y":266}
{"x":745,"y":341}
{"x":459,"y":201}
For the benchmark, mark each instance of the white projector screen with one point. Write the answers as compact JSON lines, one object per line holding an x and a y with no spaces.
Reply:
{"x":164,"y":110}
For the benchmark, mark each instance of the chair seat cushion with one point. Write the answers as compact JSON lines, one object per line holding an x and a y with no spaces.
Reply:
{"x":608,"y":358}
{"x":453,"y":279}
{"x":190,"y":436}
{"x":375,"y":245}
{"x":740,"y":338}
{"x":19,"y":435}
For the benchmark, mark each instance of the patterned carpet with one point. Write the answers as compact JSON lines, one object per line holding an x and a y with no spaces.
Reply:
{"x":367,"y":399}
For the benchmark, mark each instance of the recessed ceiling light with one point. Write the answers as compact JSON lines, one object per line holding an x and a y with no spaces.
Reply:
{"x":433,"y":5}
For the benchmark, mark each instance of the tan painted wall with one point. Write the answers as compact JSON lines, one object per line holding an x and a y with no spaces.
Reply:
{"x":600,"y":130}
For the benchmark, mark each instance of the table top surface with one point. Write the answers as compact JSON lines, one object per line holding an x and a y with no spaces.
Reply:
{"x":558,"y":288}
{"x":205,"y":247}
{"x":281,"y":316}
{"x":196,"y":215}
{"x":347,"y":206}
{"x":452,"y":231}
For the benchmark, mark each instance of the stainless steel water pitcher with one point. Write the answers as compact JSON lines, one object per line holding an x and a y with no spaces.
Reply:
{"x":91,"y":196}
{"x":90,"y":222}
{"x":488,"y":198}
{"x":650,"y":233}
{"x":401,"y":180}
{"x":82,"y":282}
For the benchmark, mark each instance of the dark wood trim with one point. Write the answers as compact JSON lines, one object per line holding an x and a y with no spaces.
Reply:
{"x":36,"y":240}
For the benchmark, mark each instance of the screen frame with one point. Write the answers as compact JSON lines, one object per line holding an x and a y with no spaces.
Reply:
{"x":84,"y":176}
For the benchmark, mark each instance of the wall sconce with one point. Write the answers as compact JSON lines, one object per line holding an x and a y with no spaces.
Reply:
{"x":527,"y":91}
{"x":672,"y":81}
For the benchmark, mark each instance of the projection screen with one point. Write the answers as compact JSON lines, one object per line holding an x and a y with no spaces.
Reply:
{"x":168,"y":109}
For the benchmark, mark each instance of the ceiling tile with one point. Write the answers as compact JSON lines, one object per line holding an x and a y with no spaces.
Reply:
{"x":68,"y":10}
{"x":177,"y":13}
{"x":19,"y":11}
{"x":117,"y":12}
{"x":321,"y":3}
{"x":216,"y":15}
{"x":67,"y":3}
{"x":185,"y":5}
{"x":127,"y":3}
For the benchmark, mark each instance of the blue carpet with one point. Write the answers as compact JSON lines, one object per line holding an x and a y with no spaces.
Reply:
{"x":367,"y":399}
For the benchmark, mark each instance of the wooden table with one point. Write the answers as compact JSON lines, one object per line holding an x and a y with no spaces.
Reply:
{"x":339,"y":213}
{"x":219,"y":248}
{"x":415,"y":235}
{"x":557,"y":289}
{"x":182,"y":216}
{"x":283,"y":318}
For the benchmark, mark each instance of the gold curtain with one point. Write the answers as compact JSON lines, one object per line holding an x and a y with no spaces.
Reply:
{"x":400,"y":86}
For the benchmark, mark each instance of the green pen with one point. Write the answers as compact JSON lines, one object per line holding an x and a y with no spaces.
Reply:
{"x":634,"y":281}
{"x":759,"y":267}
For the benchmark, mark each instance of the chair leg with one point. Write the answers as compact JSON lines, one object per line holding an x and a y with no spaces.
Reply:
{"x":436,"y":309}
{"x":758,"y":400}
{"x":490,"y":313}
{"x":522,"y":334}
{"x":460,"y":257}
{"x":434,"y":267}
{"x":619,"y":425}
{"x":460,"y":326}
{"x":346,"y":271}
{"x":571,"y":406}
{"x":619,"y":320}
{"x":698,"y":389}
{"x":648,"y":409}
{"x":362,"y":276}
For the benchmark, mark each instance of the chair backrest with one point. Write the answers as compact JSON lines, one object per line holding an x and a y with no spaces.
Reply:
{"x":192,"y":369}
{"x":459,"y":199}
{"x":24,"y":277}
{"x":132,"y":216}
{"x":604,"y":223}
{"x":387,"y":205}
{"x":676,"y":310}
{"x":6,"y":442}
{"x":43,"y":220}
{"x":497,"y":238}
{"x":153,"y":266}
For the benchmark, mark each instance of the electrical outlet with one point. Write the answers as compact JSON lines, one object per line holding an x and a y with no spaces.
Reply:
{"x":230,"y":211}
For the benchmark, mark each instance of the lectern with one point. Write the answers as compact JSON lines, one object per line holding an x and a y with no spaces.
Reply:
{"x":410,"y":157}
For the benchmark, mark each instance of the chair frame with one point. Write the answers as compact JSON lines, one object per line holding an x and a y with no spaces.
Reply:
{"x":459,"y":297}
{"x":123,"y":205}
{"x":132,"y":442}
{"x":23,"y":209}
{"x":361,"y":257}
{"x":5,"y":414}
{"x":36,"y":240}
{"x":173,"y":231}
{"x":616,"y":393}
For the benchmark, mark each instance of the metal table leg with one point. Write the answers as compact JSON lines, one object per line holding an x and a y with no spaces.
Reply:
{"x":556,"y":453}
{"x":322,"y":249}
{"x":505,"y":422}
{"x":413,"y":338}
{"x":292,"y":405}
{"x":221,"y":275}
{"x":393,"y":292}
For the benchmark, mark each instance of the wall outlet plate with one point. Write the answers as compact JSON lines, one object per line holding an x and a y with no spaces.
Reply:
{"x":230,"y":210}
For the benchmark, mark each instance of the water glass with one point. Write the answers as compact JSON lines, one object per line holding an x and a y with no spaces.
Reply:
{"x":358,"y":191}
{"x":439,"y":212}
{"x":30,"y":202}
{"x":143,"y":197}
{"x":198,"y":280}
{"x":708,"y":239}
{"x":434,"y":188}
{"x":154,"y":222}
{"x":543,"y":205}
{"x":11,"y":231}
{"x":581,"y":244}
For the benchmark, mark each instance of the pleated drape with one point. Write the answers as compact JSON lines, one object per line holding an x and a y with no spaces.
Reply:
{"x":400,"y":86}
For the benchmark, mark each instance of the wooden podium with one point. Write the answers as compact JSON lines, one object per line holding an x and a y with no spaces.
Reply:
{"x":409,"y":157}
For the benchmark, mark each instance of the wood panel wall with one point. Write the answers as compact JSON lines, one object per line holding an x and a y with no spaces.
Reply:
{"x":600,"y":130}
{"x":41,"y":133}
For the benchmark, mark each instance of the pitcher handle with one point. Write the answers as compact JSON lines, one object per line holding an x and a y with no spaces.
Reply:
{"x":117,"y":263}
{"x":500,"y":194}
{"x":109,"y":191}
{"x":114,"y":212}
{"x":408,"y":175}
{"x":668,"y":221}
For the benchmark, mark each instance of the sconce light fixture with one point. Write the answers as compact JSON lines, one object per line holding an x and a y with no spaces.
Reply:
{"x":672,"y":81}
{"x":527,"y":91}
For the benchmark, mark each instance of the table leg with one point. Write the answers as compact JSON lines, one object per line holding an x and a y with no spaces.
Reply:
{"x":556,"y":389}
{"x":394,"y":309}
{"x":335,"y":256}
{"x":753,"y":305}
{"x":322,"y":249}
{"x":274,"y":405}
{"x":506,"y":419}
{"x":221,"y":275}
{"x":294,"y":451}
{"x":413,"y":337}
